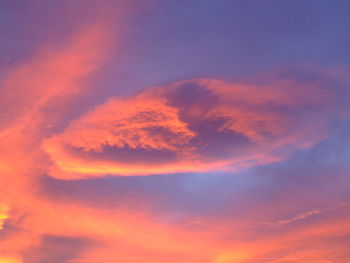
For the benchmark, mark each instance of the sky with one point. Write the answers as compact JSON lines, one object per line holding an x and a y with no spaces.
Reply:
{"x":187,"y":131}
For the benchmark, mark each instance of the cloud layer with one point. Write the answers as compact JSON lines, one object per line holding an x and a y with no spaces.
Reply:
{"x":248,"y":171}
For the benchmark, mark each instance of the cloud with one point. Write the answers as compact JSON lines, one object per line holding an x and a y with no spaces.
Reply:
{"x":193,"y":125}
{"x":304,"y":215}
{"x":35,"y":95}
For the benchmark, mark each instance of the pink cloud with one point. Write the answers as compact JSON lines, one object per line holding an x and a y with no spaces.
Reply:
{"x":193,"y":125}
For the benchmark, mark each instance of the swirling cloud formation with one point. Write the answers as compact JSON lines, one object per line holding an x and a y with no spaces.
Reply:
{"x":191,"y":126}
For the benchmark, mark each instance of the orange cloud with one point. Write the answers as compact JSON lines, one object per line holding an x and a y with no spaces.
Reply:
{"x":31,"y":102}
{"x":139,"y":237}
{"x":193,"y":125}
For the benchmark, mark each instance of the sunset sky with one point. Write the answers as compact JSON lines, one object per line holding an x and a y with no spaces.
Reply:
{"x":174,"y":131}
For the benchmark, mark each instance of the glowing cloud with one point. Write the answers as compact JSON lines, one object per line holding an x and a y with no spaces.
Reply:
{"x":33,"y":94}
{"x":193,"y":125}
